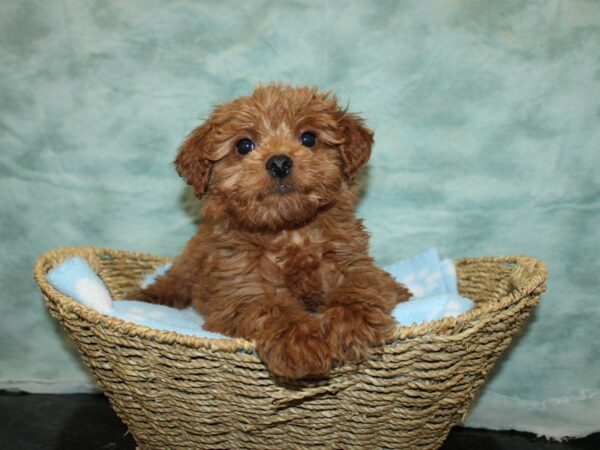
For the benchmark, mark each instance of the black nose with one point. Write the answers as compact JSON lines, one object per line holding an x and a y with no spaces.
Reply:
{"x":279,"y":166}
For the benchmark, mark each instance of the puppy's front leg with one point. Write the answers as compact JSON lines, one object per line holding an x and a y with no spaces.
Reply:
{"x":288,"y":339}
{"x":356,"y":315}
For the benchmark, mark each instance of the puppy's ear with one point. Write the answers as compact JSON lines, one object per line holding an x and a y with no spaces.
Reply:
{"x":192,"y":162}
{"x":358,"y":140}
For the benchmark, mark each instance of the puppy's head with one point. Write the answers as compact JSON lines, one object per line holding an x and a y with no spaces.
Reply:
{"x":274,"y":159}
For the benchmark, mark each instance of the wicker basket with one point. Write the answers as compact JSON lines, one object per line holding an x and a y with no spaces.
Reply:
{"x":175,"y":391}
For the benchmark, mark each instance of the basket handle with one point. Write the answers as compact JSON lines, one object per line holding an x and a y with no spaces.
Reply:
{"x":527,"y":270}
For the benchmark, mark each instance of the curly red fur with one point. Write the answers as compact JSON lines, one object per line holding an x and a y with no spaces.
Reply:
{"x":282,"y":261}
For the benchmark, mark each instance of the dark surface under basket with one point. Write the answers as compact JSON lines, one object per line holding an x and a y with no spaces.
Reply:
{"x":175,"y":391}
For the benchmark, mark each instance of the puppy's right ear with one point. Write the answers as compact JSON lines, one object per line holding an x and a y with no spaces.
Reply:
{"x":192,"y":161}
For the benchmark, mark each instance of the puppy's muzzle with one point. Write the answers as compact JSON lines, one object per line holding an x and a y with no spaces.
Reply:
{"x":279,"y":166}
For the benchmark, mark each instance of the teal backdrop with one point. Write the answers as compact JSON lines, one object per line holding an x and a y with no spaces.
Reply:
{"x":486,"y":117}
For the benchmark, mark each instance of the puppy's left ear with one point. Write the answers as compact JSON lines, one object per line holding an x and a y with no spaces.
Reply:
{"x":356,"y":148}
{"x":192,"y":161}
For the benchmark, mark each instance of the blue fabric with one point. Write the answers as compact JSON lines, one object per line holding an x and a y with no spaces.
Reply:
{"x":425,"y":274}
{"x":74,"y":277}
{"x":433,"y":283}
{"x":430,"y":308}
{"x":65,"y":276}
{"x":160,"y":317}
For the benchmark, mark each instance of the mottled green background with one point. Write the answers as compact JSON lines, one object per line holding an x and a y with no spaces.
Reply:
{"x":486,"y":116}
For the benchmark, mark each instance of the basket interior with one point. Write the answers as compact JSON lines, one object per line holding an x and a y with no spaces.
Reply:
{"x":483,"y":280}
{"x":123,"y":273}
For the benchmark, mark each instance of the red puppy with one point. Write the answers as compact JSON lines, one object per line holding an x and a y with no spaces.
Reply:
{"x":279,"y":257}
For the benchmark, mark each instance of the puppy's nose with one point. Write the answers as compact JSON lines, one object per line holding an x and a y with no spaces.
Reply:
{"x":279,"y":166}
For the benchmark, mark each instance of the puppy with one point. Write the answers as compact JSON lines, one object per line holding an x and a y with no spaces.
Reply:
{"x":279,"y":257}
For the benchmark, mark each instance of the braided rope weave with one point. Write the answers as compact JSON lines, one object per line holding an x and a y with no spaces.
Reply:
{"x":181,"y":392}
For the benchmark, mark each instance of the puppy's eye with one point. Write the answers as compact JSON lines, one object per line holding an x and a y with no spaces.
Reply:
{"x":244,"y":146}
{"x":308,"y":139}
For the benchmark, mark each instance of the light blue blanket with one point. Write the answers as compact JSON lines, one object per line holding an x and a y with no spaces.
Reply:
{"x":431,"y":280}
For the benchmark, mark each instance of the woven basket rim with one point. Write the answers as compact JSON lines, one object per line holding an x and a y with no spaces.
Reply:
{"x":454,"y":326}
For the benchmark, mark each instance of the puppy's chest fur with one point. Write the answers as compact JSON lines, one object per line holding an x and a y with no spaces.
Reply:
{"x":301,"y":263}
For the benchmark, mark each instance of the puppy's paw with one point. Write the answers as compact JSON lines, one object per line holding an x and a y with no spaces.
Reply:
{"x":143,"y":295}
{"x":352,"y":330}
{"x":298,"y":351}
{"x":160,"y":293}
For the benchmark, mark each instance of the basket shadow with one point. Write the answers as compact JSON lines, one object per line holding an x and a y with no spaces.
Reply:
{"x":89,"y":422}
